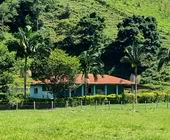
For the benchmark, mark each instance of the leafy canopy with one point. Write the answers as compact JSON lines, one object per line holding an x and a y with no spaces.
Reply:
{"x":90,"y":62}
{"x":138,"y":30}
{"x":6,"y":67}
{"x":88,"y":33}
{"x":57,"y":66}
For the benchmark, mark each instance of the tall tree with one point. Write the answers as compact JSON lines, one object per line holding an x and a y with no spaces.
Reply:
{"x":90,"y":62}
{"x":132,"y":30}
{"x":19,"y":13}
{"x":135,"y":57}
{"x":25,"y":47}
{"x":61,"y":65}
{"x":88,"y":33}
{"x":58,"y":67}
{"x":7,"y":12}
{"x":6,"y":67}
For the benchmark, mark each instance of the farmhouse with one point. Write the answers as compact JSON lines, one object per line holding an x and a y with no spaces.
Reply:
{"x":104,"y":84}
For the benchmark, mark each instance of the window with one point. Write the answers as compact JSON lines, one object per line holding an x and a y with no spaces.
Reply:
{"x":89,"y":90}
{"x":44,"y":88}
{"x":72,"y":91}
{"x":35,"y":90}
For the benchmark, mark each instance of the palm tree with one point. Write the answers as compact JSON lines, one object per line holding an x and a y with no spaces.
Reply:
{"x":164,"y":58}
{"x":26,"y":47}
{"x":134,"y":56}
{"x":90,"y":62}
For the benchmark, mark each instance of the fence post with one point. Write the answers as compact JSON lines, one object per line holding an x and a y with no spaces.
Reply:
{"x":81,"y":103}
{"x":96,"y":105}
{"x":152,"y":106}
{"x":103,"y":103}
{"x":109,"y":105}
{"x":16,"y":106}
{"x":167,"y":104}
{"x":52,"y":104}
{"x":121,"y":105}
{"x":34,"y":105}
{"x":133,"y":106}
{"x":156,"y":104}
{"x":66,"y":103}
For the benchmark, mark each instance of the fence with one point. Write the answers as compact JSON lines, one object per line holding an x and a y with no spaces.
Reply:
{"x":51,"y":105}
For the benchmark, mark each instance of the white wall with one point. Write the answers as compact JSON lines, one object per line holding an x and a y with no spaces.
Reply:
{"x":41,"y":94}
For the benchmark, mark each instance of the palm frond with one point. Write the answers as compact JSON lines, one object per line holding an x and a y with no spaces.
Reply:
{"x":162,"y":61}
{"x":125,"y":59}
{"x":164,"y":56}
{"x":133,"y":56}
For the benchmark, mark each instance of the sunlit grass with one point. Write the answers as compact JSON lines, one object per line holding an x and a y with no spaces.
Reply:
{"x":118,"y":122}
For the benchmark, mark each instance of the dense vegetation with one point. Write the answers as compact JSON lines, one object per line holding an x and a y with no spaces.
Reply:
{"x":35,"y":33}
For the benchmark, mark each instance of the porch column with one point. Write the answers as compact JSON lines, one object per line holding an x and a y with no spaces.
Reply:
{"x":132,"y":89}
{"x":117,"y":89}
{"x":94,"y":89}
{"x":69,"y":92}
{"x":82,"y":90}
{"x":105,"y":89}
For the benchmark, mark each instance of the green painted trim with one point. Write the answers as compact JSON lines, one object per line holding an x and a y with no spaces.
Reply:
{"x":82,"y":90}
{"x":94,"y":89}
{"x":105,"y":89}
{"x":117,"y":89}
{"x":69,"y":92}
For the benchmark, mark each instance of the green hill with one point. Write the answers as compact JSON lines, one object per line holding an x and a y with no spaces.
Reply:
{"x":115,"y":10}
{"x":112,"y":10}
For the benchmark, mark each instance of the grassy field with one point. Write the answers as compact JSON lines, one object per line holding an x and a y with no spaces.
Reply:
{"x":115,"y":123}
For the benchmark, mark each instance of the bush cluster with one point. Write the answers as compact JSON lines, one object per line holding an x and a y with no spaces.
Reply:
{"x":143,"y":97}
{"x":148,"y":97}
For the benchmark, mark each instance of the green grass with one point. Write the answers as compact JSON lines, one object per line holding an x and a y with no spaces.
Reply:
{"x":116,"y":123}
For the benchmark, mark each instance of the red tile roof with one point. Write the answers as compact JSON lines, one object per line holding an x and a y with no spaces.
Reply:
{"x":104,"y":79}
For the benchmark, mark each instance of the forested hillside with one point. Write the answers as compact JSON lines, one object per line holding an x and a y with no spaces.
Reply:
{"x":75,"y":26}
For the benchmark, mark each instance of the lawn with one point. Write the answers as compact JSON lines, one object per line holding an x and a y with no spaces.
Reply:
{"x":116,"y":122}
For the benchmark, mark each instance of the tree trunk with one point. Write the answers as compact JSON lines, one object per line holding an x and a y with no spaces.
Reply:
{"x":25,"y":77}
{"x":136,"y":85}
{"x":86,"y":87}
{"x":37,"y":24}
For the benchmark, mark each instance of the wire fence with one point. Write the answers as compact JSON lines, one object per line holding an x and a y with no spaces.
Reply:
{"x":96,"y":105}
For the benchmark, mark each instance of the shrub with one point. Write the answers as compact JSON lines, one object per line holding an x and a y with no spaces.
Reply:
{"x":128,"y":98}
{"x":3,"y":97}
{"x":150,"y":97}
{"x":100,"y":98}
{"x":92,"y":99}
{"x":28,"y":100}
{"x":114,"y":99}
{"x":14,"y":99}
{"x":60,"y":102}
{"x":160,"y":97}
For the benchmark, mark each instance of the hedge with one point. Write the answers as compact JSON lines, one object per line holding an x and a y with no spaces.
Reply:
{"x":148,"y":97}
